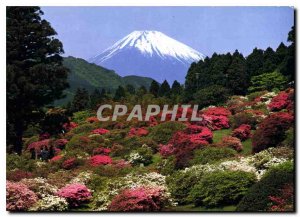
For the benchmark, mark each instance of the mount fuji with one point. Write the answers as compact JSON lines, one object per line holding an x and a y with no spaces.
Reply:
{"x":149,"y":54}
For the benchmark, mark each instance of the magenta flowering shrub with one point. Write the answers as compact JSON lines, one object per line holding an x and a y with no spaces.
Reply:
{"x":166,"y":150}
{"x":75,"y":194}
{"x":216,"y":122}
{"x":142,"y":199}
{"x":39,"y":144}
{"x":44,"y":136}
{"x":100,"y":131}
{"x":69,"y":164}
{"x":92,"y":119}
{"x":98,"y":160}
{"x":138,"y":132}
{"x":101,"y":151}
{"x":243,"y":132}
{"x":56,"y":158}
{"x":232,"y":142}
{"x":69,"y":126}
{"x":60,"y":143}
{"x":19,"y":197}
{"x":217,"y":111}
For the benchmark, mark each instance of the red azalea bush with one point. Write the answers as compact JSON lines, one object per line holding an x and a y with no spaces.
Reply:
{"x":69,"y":164}
{"x":285,"y":201}
{"x":142,"y":199}
{"x":216,"y":122}
{"x":100,"y":131}
{"x":17,"y":175}
{"x":271,"y":131}
{"x":138,"y":132}
{"x":69,"y":126}
{"x":279,"y":102}
{"x":243,"y":132}
{"x":166,"y":150}
{"x":75,"y":194}
{"x":37,"y":146}
{"x":101,"y":151}
{"x":19,"y":197}
{"x":56,"y":158}
{"x":121,"y":164}
{"x":231,"y":142}
{"x":98,"y":160}
{"x":217,"y":111}
{"x":60,"y":143}
{"x":92,"y":119}
{"x":44,"y":136}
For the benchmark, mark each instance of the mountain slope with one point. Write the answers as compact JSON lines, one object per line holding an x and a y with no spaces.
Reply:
{"x":90,"y":76}
{"x":149,"y":53}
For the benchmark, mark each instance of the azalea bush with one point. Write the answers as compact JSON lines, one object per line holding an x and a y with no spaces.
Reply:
{"x":19,"y":197}
{"x":17,"y":175}
{"x":231,"y":142}
{"x":243,"y":132}
{"x":70,"y":163}
{"x":100,"y":131}
{"x":138,"y":132}
{"x":50,"y":203}
{"x":75,"y":194}
{"x":212,"y":154}
{"x":271,"y":131}
{"x":144,"y":199}
{"x":249,"y":117}
{"x":40,"y":186}
{"x":98,"y":160}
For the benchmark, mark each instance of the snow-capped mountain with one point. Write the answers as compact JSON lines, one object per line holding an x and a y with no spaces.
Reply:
{"x":151,"y":54}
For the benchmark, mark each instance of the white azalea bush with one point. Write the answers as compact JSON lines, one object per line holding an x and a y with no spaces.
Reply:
{"x":40,"y":186}
{"x":50,"y":203}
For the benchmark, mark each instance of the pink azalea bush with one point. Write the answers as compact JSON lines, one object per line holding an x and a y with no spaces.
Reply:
{"x":19,"y":197}
{"x":138,"y":132}
{"x":279,"y":102}
{"x":92,"y":119}
{"x":69,"y":126}
{"x":44,"y":136}
{"x":142,"y":199}
{"x":101,"y":151}
{"x":98,"y":160}
{"x":60,"y":143}
{"x":75,"y":194}
{"x":217,"y":111}
{"x":39,"y":145}
{"x":56,"y":158}
{"x":243,"y":132}
{"x":70,"y":163}
{"x":17,"y":175}
{"x":216,"y":122}
{"x":100,"y":131}
{"x":232,"y":142}
{"x":166,"y":150}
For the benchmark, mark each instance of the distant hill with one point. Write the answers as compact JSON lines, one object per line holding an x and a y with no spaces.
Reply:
{"x":90,"y":76}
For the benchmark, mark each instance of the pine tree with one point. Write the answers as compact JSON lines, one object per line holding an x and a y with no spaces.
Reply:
{"x":176,"y":88}
{"x":288,"y":65}
{"x":255,"y":62}
{"x":281,"y":52}
{"x":130,"y":89}
{"x":270,"y":61}
{"x":238,"y":80}
{"x":164,"y":89}
{"x":35,"y":75}
{"x":81,"y":100}
{"x":95,"y":99}
{"x":120,"y":93}
{"x":154,"y":88}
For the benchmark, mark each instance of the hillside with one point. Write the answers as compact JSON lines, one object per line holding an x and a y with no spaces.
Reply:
{"x":90,"y":76}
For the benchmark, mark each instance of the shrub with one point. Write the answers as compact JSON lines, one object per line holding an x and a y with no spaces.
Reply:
{"x":22,"y":162}
{"x":37,"y":146}
{"x":144,"y":199}
{"x":80,"y":117}
{"x":17,"y":175}
{"x":100,"y":131}
{"x":243,"y":132}
{"x":271,"y":131}
{"x":217,"y":111}
{"x":221,"y":188}
{"x":75,"y":194}
{"x":142,"y":155}
{"x":166,"y":150}
{"x":70,"y":163}
{"x":69,"y":126}
{"x":285,"y":201}
{"x":216,"y":122}
{"x":290,"y":138}
{"x":244,"y":118}
{"x":212,"y":154}
{"x":138,"y":132}
{"x":92,"y":119}
{"x":231,"y":142}
{"x":279,"y":102}
{"x":81,"y":144}
{"x":83,"y":128}
{"x":60,"y":143}
{"x":50,"y":203}
{"x":100,"y":160}
{"x":163,"y":132}
{"x":101,"y":151}
{"x":257,"y":198}
{"x":19,"y":197}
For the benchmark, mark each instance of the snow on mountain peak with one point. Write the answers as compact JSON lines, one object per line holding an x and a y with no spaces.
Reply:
{"x":152,"y":43}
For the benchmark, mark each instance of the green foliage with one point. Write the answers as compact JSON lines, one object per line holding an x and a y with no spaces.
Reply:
{"x":243,"y":118}
{"x":54,"y":120}
{"x":23,"y":162}
{"x":221,"y":188}
{"x":255,"y":62}
{"x":290,"y":138}
{"x":176,"y":88}
{"x":154,"y":88}
{"x":257,"y":198}
{"x":163,"y":132}
{"x":35,"y":76}
{"x":167,"y":166}
{"x":120,"y":93}
{"x":267,"y":81}
{"x":212,"y":95}
{"x":164,"y":89}
{"x":81,"y":116}
{"x":80,"y":101}
{"x":83,"y":128}
{"x":212,"y":154}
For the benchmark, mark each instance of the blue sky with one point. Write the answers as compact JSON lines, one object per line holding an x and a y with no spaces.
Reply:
{"x":87,"y":31}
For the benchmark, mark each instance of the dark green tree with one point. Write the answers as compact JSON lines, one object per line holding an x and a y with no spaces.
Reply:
{"x":288,"y":67}
{"x":238,"y":80}
{"x":255,"y":62}
{"x":281,"y":52}
{"x":270,"y":60}
{"x":130,"y":89}
{"x":95,"y":99}
{"x":154,"y":88}
{"x":120,"y":93}
{"x":164,"y":89}
{"x":81,"y":100}
{"x":176,"y":88}
{"x":35,"y":75}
